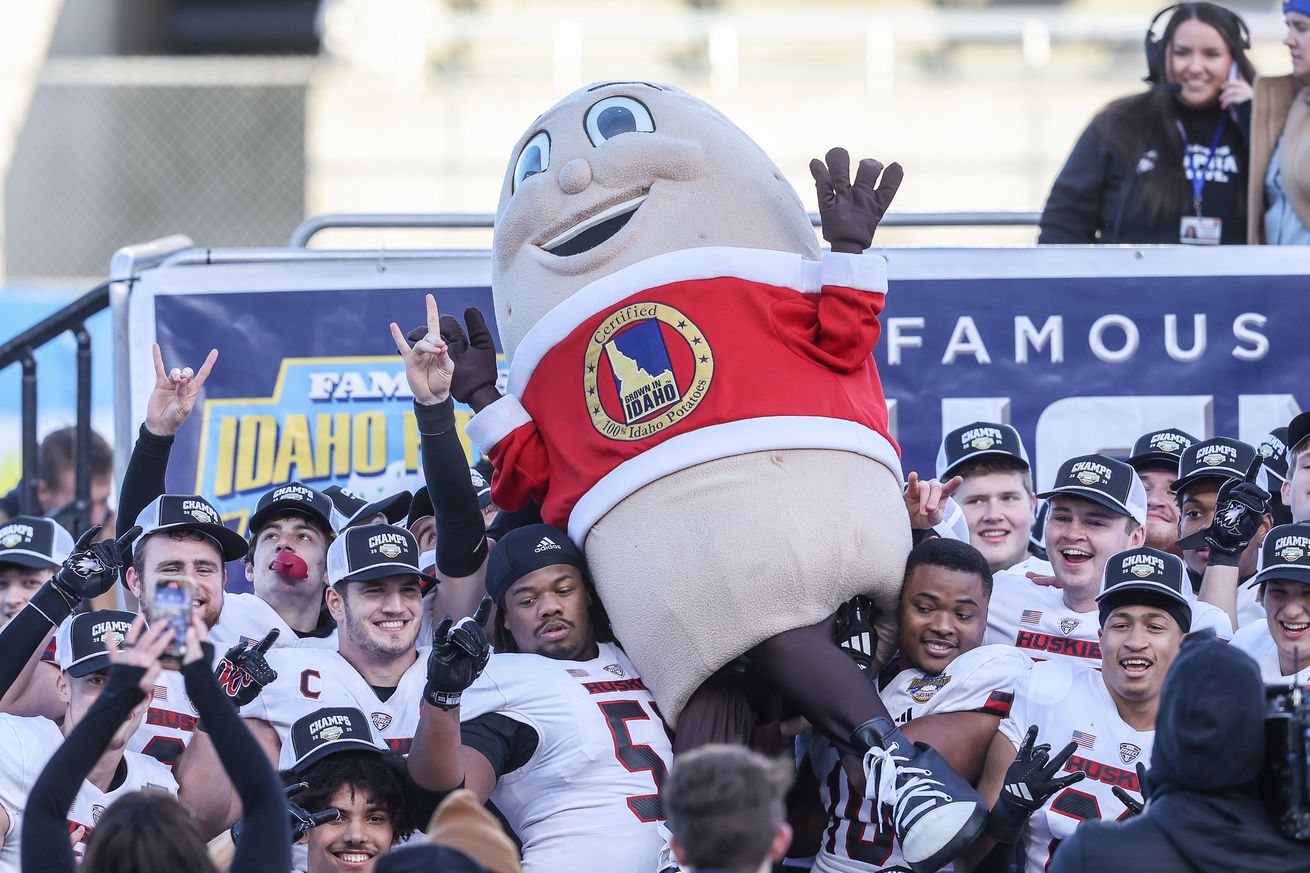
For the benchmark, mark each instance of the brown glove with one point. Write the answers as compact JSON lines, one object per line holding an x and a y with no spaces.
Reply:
{"x":850,"y":213}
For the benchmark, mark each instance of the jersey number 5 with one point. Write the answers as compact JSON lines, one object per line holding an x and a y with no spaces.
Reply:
{"x":636,"y":758}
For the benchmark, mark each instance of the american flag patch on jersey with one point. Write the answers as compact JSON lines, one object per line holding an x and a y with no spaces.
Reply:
{"x":1030,"y":616}
{"x":1084,"y":739}
{"x":577,"y":674}
{"x":161,"y":692}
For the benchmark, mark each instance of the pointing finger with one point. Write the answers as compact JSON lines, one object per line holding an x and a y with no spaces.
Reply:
{"x":84,"y":541}
{"x":402,"y":345}
{"x":484,"y":611}
{"x":159,"y":361}
{"x":267,"y":642}
{"x":951,"y":485}
{"x":210,"y":360}
{"x":434,"y":317}
{"x":1254,"y":470}
{"x":443,"y":629}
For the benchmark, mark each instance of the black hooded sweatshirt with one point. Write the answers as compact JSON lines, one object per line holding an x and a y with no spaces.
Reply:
{"x":1204,"y":812}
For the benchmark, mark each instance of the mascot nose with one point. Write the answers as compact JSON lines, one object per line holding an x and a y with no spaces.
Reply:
{"x":575,"y":176}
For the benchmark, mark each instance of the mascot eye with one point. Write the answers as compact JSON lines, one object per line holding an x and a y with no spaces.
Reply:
{"x":534,"y":158}
{"x":615,"y":115}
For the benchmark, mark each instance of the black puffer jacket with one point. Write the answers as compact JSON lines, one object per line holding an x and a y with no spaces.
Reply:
{"x":1098,"y":196}
{"x":1204,"y":813}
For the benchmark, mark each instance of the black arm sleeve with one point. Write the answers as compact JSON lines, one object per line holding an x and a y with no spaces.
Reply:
{"x":265,"y":843}
{"x":505,"y":743}
{"x":1073,"y":209}
{"x":45,"y":845}
{"x":144,"y":479}
{"x":461,"y":532}
{"x":27,"y":631}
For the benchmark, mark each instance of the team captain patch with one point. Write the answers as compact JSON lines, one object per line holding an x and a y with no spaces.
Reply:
{"x":647,"y":367}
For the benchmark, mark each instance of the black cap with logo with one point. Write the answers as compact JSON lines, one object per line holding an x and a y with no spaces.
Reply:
{"x":372,"y":551}
{"x":526,"y":549}
{"x":350,"y":508}
{"x":81,"y":641}
{"x":33,"y":541}
{"x":1160,"y":449}
{"x":295,"y":497}
{"x":1101,"y":479}
{"x":1215,"y":458}
{"x":419,"y":507}
{"x":1273,"y":452}
{"x":1147,"y":577}
{"x":978,"y":440}
{"x":190,"y":512}
{"x":1285,"y":554}
{"x":329,"y":730}
{"x":1298,"y":431}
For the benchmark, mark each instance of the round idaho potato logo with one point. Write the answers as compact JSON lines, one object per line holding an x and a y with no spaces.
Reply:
{"x":647,"y":368}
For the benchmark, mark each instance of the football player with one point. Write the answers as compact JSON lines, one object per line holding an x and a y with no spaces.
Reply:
{"x":1098,"y":508}
{"x":556,"y":728}
{"x":29,"y":742}
{"x":376,"y":599}
{"x":1280,"y":643}
{"x":1108,"y":714}
{"x":997,"y":492}
{"x":1155,"y":458}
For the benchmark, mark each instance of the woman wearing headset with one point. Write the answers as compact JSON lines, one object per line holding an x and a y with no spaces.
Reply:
{"x":1279,"y":201}
{"x":1169,"y":165}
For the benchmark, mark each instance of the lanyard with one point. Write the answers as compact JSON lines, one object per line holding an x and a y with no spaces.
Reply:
{"x":1198,"y":173}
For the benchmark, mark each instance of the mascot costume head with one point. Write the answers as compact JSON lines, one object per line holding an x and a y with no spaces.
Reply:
{"x":691,"y":394}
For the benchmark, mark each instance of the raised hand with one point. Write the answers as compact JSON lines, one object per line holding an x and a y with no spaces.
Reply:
{"x":925,"y":499}
{"x":1239,"y":510}
{"x":1029,"y":783}
{"x":475,"y":359}
{"x":142,"y":648}
{"x":850,"y":213}
{"x":428,"y":364}
{"x":460,"y":652}
{"x":174,"y":394}
{"x":302,"y":821}
{"x":244,"y":671}
{"x":92,"y":568}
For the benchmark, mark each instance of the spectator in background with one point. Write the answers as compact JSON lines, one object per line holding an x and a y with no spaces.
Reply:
{"x":1279,"y":187}
{"x":57,"y":487}
{"x":1132,"y":178}
{"x":725,"y":810}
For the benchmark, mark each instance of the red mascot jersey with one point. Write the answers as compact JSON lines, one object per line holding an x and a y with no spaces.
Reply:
{"x":685,"y":358}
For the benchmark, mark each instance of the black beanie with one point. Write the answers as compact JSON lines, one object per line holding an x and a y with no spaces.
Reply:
{"x":526,"y":549}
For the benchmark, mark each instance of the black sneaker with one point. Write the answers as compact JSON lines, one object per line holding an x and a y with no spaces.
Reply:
{"x":936,"y":814}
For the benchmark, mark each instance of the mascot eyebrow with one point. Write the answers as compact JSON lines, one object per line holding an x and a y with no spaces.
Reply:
{"x":600,"y":85}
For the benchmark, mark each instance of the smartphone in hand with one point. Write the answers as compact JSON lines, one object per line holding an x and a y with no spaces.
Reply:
{"x":170,"y":603}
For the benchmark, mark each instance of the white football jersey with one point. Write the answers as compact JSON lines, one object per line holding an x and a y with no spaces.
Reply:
{"x":250,"y":616}
{"x":169,"y":723}
{"x":1035,"y":619}
{"x":28,"y":744}
{"x":588,"y":801}
{"x":985,"y":679}
{"x":1249,"y":609}
{"x":1256,"y":640}
{"x":1069,"y":702}
{"x":310,"y":679}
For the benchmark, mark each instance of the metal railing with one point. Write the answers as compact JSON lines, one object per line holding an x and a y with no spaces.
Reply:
{"x":477,"y":220}
{"x":22,"y":350}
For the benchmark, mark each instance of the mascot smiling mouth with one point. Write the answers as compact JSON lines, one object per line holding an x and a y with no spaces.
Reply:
{"x":594,"y":230}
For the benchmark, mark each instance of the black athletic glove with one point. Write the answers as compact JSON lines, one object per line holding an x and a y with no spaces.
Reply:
{"x":850,"y":213}
{"x":244,"y":672}
{"x":854,"y":632}
{"x":1029,"y":783}
{"x":1239,"y":509}
{"x":92,"y":568}
{"x":302,"y":822}
{"x":474,"y":354}
{"x":1134,"y":805}
{"x":460,"y":652}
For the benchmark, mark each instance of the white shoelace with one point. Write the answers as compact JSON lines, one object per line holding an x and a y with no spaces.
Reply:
{"x":919,"y":784}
